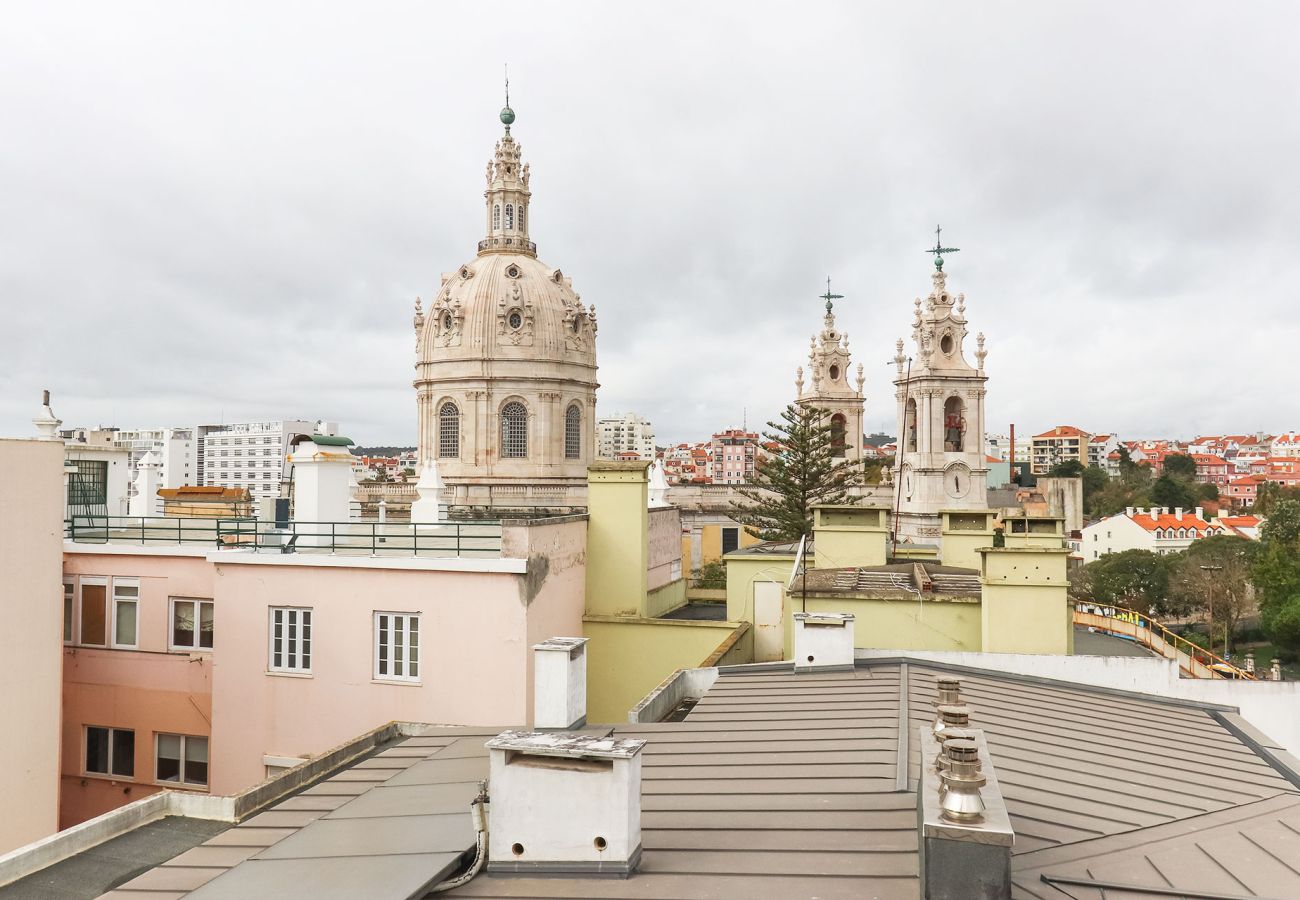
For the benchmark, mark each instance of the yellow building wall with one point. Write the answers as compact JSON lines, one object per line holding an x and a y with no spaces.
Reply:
{"x":743,"y":571}
{"x":618,"y":528}
{"x":1026,"y":607}
{"x":627,"y":658}
{"x":665,"y":599}
{"x":938,"y":624}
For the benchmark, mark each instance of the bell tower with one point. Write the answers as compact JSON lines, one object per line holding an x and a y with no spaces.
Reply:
{"x":941,"y":462}
{"x":828,"y":383}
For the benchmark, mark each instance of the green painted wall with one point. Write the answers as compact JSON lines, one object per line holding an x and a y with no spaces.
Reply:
{"x":850,"y":536}
{"x":666,"y":598}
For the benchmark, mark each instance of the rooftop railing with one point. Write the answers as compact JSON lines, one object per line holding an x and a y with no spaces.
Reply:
{"x":443,"y":540}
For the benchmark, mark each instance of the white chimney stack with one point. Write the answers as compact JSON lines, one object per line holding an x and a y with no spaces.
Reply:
{"x":1178,"y":513}
{"x":560,"y":683}
{"x":46,"y":422}
{"x":147,"y":482}
{"x":823,"y":641}
{"x":1129,"y":512}
{"x":321,"y":472}
{"x":1155,"y":513}
{"x":564,"y":804}
{"x":1200,"y":512}
{"x":428,"y":510}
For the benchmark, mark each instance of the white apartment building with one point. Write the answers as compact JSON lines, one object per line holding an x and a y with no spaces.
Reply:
{"x":175,"y":449}
{"x":625,"y":434}
{"x":252,"y":455}
{"x":1158,"y":529}
{"x":1100,"y":447}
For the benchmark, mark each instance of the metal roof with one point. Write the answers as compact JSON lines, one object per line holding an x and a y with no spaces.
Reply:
{"x":800,"y":786}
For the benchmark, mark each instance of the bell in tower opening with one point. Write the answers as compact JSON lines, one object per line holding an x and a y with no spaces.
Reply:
{"x":940,"y":463}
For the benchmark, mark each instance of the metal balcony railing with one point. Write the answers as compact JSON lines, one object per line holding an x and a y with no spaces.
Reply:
{"x":1193,"y":660}
{"x":444,"y":540}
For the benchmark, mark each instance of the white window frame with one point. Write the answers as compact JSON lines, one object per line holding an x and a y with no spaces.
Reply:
{"x":85,"y":748}
{"x":397,"y":624}
{"x":70,"y":610}
{"x":94,"y":581}
{"x":184,"y":740}
{"x":113,"y":601}
{"x":299,"y":617}
{"x":198,"y":620}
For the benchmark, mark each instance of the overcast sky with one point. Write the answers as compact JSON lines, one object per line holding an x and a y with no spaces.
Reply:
{"x":225,"y":211}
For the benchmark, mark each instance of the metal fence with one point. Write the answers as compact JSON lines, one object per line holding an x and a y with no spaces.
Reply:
{"x":448,"y":539}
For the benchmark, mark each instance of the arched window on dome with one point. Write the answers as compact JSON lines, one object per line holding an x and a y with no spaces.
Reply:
{"x":909,"y":427}
{"x":514,"y":431}
{"x":496,"y":216}
{"x":573,"y":432}
{"x":522,"y":227}
{"x":837,"y":434}
{"x":510,"y":216}
{"x":448,"y":431}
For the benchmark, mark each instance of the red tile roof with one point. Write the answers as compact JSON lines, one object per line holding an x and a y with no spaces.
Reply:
{"x":1062,"y":431}
{"x":1169,"y":520}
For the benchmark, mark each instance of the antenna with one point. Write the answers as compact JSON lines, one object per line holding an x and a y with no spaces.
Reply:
{"x":507,"y":68}
{"x":939,"y":249}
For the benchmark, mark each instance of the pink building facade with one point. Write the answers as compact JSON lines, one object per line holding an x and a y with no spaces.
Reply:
{"x":189,"y":668}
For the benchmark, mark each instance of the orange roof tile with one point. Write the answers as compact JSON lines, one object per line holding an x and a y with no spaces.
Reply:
{"x":1062,"y":431}
{"x":1169,"y":520}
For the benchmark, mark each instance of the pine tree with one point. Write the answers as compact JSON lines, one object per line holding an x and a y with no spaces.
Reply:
{"x":802,"y":471}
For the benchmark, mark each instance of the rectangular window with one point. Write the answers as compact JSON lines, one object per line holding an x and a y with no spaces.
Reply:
{"x":290,"y":639}
{"x":397,"y":647}
{"x":730,"y":539}
{"x":191,"y":624}
{"x":126,"y":600}
{"x":69,"y":591}
{"x":181,"y":759}
{"x":110,"y":751}
{"x":94,"y":610}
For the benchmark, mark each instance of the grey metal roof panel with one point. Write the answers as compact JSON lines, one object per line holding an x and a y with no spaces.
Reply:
{"x":1251,"y":850}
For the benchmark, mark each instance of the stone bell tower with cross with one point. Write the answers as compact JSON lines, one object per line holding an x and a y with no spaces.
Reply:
{"x":825,"y":385}
{"x":941,"y":462}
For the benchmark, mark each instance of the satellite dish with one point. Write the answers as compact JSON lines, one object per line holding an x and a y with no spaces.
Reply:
{"x":798,"y":562}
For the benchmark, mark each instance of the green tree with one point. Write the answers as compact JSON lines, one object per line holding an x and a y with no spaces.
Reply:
{"x":711,"y":575}
{"x":1173,"y":492}
{"x":1180,"y":465}
{"x":1136,"y":579}
{"x":1276,"y":574}
{"x":802,"y":472}
{"x":1066,"y":468}
{"x":1269,"y":494}
{"x":1213,"y":575}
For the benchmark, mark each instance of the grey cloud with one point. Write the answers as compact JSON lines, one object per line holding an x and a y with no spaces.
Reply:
{"x":228,"y":211}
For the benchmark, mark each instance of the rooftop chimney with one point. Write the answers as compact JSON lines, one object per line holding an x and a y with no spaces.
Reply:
{"x":47,"y":424}
{"x":564,"y":804}
{"x":1155,"y":513}
{"x":823,"y":642}
{"x":560,"y":683}
{"x":1200,"y":512}
{"x":966,"y":835}
{"x":1128,"y":511}
{"x":1178,"y":513}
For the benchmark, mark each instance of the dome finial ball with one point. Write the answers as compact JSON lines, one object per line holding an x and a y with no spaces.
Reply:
{"x":507,"y":116}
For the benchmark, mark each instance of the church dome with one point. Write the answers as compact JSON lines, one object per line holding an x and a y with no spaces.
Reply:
{"x":506,"y":360}
{"x":510,"y":308}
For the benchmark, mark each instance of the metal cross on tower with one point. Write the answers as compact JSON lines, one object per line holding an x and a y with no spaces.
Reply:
{"x":939,"y":249}
{"x":828,"y":296}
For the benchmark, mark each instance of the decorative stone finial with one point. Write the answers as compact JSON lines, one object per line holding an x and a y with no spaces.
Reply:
{"x":798,"y":381}
{"x":861,"y":378}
